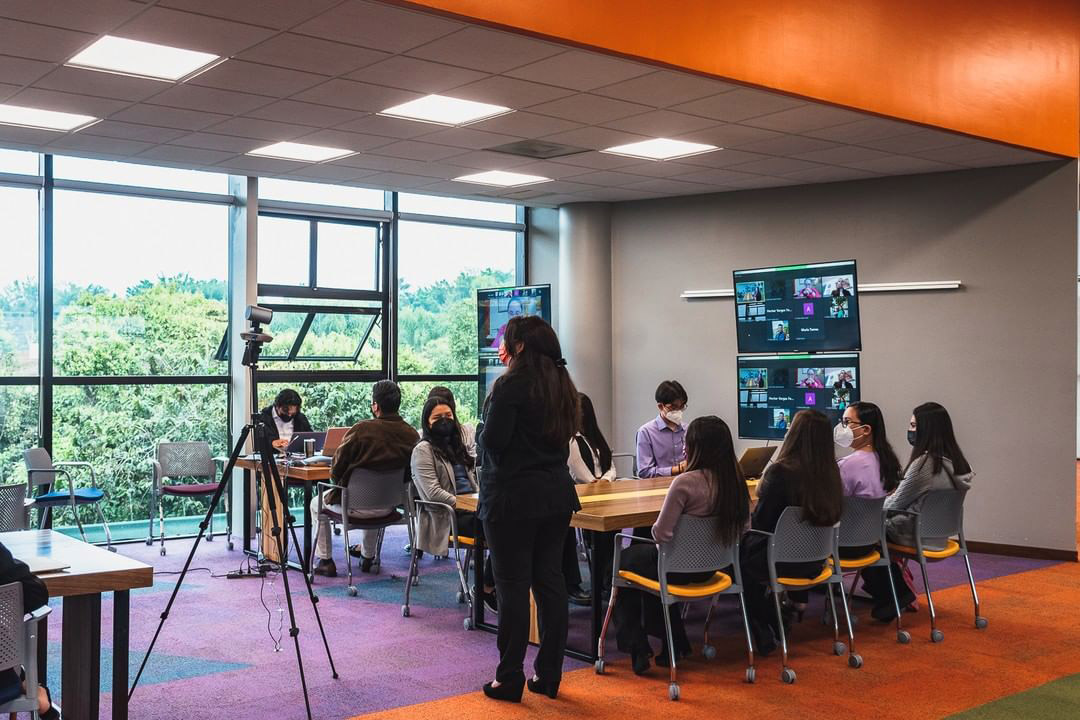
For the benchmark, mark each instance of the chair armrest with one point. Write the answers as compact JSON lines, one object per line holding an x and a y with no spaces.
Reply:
{"x":912,"y":513}
{"x":53,"y":471}
{"x":434,"y":505}
{"x":80,"y":463}
{"x":37,"y":615}
{"x":632,"y":456}
{"x":619,"y":549}
{"x":760,"y":532}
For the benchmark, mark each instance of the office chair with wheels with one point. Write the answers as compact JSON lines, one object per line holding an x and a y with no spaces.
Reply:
{"x":457,"y":541}
{"x":19,"y":649}
{"x":184,"y":460}
{"x":41,"y":470}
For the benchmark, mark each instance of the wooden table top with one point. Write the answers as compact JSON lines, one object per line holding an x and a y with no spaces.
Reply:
{"x":91,"y":569}
{"x":302,"y":473}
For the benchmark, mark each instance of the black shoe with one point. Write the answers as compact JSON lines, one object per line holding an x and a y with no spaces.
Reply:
{"x":577,"y":596}
{"x":510,"y":690}
{"x":765,"y":642}
{"x":326,"y":568}
{"x":490,"y":601}
{"x":640,"y":660}
{"x":664,"y":659}
{"x":551,"y":689}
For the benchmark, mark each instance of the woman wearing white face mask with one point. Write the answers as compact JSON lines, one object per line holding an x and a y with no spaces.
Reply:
{"x":873,"y":470}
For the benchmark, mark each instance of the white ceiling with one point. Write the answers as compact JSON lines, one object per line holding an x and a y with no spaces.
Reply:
{"x":316,"y":71}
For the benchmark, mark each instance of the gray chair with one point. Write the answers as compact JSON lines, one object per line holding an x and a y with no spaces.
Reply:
{"x":41,"y":470}
{"x":367,"y":490}
{"x":19,"y":647}
{"x":184,"y":460}
{"x":695,"y":547}
{"x":13,"y":508}
{"x":633,"y":462}
{"x":939,"y":519}
{"x":457,"y":541}
{"x":797,"y":541}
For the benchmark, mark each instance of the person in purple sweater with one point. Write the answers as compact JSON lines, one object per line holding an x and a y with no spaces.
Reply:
{"x":712,"y":486}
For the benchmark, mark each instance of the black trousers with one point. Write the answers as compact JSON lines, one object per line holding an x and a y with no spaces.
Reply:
{"x":876,"y":582}
{"x":570,"y":568}
{"x":601,"y":560}
{"x":638,"y":614}
{"x":528,"y":553}
{"x":753,"y":555}
{"x":470,"y":526}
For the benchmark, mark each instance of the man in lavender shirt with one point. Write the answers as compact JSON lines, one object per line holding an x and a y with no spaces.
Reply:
{"x":661,"y":442}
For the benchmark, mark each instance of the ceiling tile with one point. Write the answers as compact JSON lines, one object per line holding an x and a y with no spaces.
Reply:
{"x":661,"y":123}
{"x":194,"y":97}
{"x":564,"y":186}
{"x":10,"y":136}
{"x":509,"y":92}
{"x":301,"y":52}
{"x":390,"y":127}
{"x":20,"y":71}
{"x":525,"y":125}
{"x":598,"y":160}
{"x":983,"y":154}
{"x":468,"y":138}
{"x":130,"y":131}
{"x":594,"y":138}
{"x":810,"y":116}
{"x":454,"y":189}
{"x":367,"y":24}
{"x":99,"y":145}
{"x":224,"y":143}
{"x":279,"y":14}
{"x":589,"y":109}
{"x":762,"y":181}
{"x":720,"y":159}
{"x":168,"y":117}
{"x":486,"y":50}
{"x":261,"y":129}
{"x":415,"y":150}
{"x":727,"y":136}
{"x":398,"y":180}
{"x":416,"y":75}
{"x":608,"y":178}
{"x":658,"y":169}
{"x":841,"y":155}
{"x":553,"y":170}
{"x":356,"y":95}
{"x":94,"y":16}
{"x":305,"y":113}
{"x":901,"y":165}
{"x":670,"y":187}
{"x":38,"y":42}
{"x":921,"y":141}
{"x":738,"y":105}
{"x":829,"y":174}
{"x":786,"y":145}
{"x":256,"y":78}
{"x":185,"y":155}
{"x":382,"y":163}
{"x":775,"y":166}
{"x":261,"y":165}
{"x":67,"y":102}
{"x":487,"y":160}
{"x":1009,"y":156}
{"x":618,"y":195}
{"x":664,"y":88}
{"x":193,"y":32}
{"x":101,"y":84}
{"x":580,"y":70}
{"x":715,"y":176}
{"x":330,"y":171}
{"x":342,"y":139}
{"x":861,"y":131}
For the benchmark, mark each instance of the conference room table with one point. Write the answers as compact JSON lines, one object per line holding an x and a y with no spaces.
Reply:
{"x":89,"y":571}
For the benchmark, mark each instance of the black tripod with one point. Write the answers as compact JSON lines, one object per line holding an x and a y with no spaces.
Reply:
{"x":254,"y":342}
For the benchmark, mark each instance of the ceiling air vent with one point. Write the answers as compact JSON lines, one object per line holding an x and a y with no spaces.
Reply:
{"x":537,"y":149}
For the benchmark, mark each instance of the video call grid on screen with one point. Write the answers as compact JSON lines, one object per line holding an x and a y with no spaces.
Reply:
{"x":495,"y":307}
{"x":797,"y":308}
{"x":772,"y":388}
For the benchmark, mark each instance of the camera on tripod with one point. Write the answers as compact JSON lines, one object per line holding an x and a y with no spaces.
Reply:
{"x":255,"y":338}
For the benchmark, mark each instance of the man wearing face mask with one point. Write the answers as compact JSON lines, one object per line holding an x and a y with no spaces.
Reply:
{"x":283,"y":419}
{"x":661,"y":442}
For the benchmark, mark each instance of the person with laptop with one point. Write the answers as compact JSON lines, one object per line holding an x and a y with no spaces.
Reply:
{"x":283,"y":419}
{"x":381,"y":444}
{"x":661,"y":442}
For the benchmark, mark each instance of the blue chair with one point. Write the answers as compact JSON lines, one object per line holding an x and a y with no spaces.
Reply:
{"x":41,"y":470}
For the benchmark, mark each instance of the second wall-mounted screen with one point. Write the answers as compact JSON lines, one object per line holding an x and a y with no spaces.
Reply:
{"x":772,"y":388}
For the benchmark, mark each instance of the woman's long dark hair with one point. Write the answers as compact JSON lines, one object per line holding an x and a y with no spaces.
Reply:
{"x":451,"y":449}
{"x":809,"y":454}
{"x":870,"y":415}
{"x":591,"y":430}
{"x":540,"y":363}
{"x":934,"y":436}
{"x":709,"y":448}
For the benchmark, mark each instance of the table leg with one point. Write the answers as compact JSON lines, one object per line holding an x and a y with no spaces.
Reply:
{"x":307,"y":527}
{"x":80,"y":667}
{"x":121,"y":628}
{"x":478,"y":581}
{"x":43,"y":651}
{"x":597,"y":593}
{"x":248,"y":512}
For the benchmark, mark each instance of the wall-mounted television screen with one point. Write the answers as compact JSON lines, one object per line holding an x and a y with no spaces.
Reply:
{"x":495,"y":307}
{"x":772,"y":388}
{"x":797,"y":308}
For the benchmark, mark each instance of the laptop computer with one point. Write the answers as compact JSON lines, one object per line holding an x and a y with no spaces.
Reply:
{"x":754,"y":460}
{"x":296,"y":444}
{"x":334,"y":436}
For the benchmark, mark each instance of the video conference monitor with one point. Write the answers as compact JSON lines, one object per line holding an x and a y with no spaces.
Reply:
{"x":495,"y":307}
{"x":797,"y":308}
{"x":772,"y":388}
{"x":491,"y":368}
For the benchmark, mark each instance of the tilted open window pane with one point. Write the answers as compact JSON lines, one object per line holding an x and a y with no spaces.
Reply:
{"x":324,"y":338}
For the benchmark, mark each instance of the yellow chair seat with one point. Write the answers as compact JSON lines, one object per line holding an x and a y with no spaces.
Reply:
{"x":464,"y":540}
{"x":951,"y":549}
{"x":859,"y":563}
{"x":717,"y":584}
{"x":825,"y":574}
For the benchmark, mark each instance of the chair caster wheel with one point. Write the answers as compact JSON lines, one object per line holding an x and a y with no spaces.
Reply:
{"x":751,"y":675}
{"x":460,"y":598}
{"x":788,"y":676}
{"x":352,"y":591}
{"x":230,"y":546}
{"x":162,"y":553}
{"x":903,"y":637}
{"x":599,"y":667}
{"x":854,"y":660}
{"x":937,"y":636}
{"x":149,"y":542}
{"x":709,"y":652}
{"x":839,"y":648}
{"x":673,"y":691}
{"x":404,"y":611}
{"x":981,"y":622}
{"x":337,"y":531}
{"x":415,"y":580}
{"x":468,"y":624}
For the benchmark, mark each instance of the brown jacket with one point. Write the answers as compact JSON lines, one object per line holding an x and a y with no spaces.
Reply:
{"x":384,"y":443}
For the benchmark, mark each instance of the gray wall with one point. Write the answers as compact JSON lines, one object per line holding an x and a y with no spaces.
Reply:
{"x":543,"y":252}
{"x":1000,"y":353}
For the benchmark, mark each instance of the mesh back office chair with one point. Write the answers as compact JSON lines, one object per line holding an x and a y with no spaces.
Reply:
{"x":457,"y":541}
{"x":184,"y":460}
{"x":41,"y":470}
{"x":19,"y":646}
{"x":797,"y":541}
{"x":695,"y":547}
{"x":13,"y":508}
{"x":940,"y":518}
{"x":367,"y":491}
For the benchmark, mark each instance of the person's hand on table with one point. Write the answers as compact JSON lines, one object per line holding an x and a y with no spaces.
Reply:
{"x":280,"y":444}
{"x":678,"y":469}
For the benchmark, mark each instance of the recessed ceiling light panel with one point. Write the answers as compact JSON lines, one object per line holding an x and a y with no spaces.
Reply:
{"x":44,"y":119}
{"x":501,"y":178}
{"x":301,"y":152}
{"x":661,"y":149}
{"x":443,"y":110}
{"x":143,"y":59}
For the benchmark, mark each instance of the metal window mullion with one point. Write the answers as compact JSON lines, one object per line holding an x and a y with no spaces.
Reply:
{"x":364,"y":339}
{"x":323,"y":309}
{"x":45,"y":305}
{"x":14,"y":180}
{"x":390,"y":290}
{"x":144,"y":192}
{"x":313,"y":254}
{"x":76,"y":380}
{"x":461,"y":222}
{"x":308,"y":319}
{"x":521,"y":254}
{"x":308,"y":293}
{"x":280,"y":208}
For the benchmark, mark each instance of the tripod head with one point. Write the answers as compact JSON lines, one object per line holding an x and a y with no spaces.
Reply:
{"x":254,"y":339}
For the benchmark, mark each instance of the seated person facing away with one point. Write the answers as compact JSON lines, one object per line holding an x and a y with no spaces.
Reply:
{"x":661,"y":450}
{"x":283,"y":419}
{"x":713,"y":486}
{"x":35,"y":595}
{"x":382,"y":444}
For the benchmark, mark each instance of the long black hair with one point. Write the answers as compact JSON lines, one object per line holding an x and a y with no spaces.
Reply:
{"x":591,"y":430}
{"x":451,"y":448}
{"x":539,"y":362}
{"x":709,"y":449}
{"x":870,"y":415}
{"x":934,"y":436}
{"x":809,"y":454}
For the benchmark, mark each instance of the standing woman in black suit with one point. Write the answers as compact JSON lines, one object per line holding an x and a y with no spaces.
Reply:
{"x":526,"y":500}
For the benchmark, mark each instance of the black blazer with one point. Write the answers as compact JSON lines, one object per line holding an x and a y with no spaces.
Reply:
{"x":299,"y":424}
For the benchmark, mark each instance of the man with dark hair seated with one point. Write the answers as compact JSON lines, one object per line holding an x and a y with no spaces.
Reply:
{"x":283,"y":419}
{"x":384,"y":443}
{"x":661,"y":442}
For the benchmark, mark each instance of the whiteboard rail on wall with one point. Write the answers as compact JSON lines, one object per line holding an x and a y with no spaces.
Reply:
{"x":863,"y":288}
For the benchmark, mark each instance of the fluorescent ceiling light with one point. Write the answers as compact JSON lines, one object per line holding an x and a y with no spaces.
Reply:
{"x":443,"y":110}
{"x":661,"y":149}
{"x":501,"y":178}
{"x":300,"y":151}
{"x":44,"y":119}
{"x":142,"y":59}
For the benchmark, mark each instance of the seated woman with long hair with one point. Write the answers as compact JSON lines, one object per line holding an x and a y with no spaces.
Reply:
{"x":712,"y":486}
